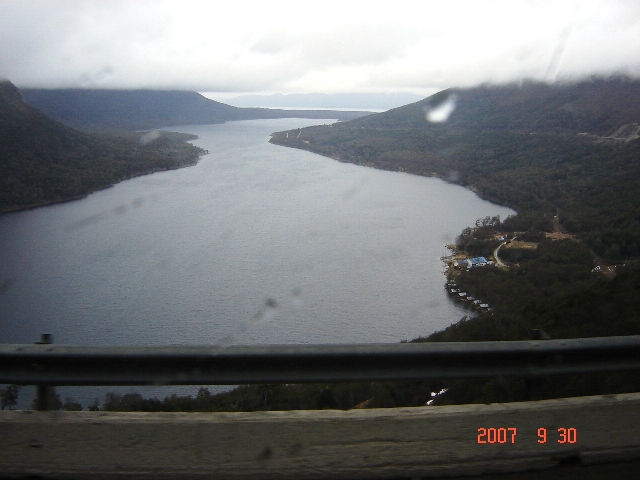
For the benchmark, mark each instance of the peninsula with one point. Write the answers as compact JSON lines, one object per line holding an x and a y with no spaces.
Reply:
{"x":43,"y":161}
{"x":60,"y":145}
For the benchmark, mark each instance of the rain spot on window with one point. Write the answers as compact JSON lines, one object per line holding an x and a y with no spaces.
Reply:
{"x":452,"y":177}
{"x":296,"y":297}
{"x":268,"y":311}
{"x":150,"y":137}
{"x":120,"y":209}
{"x":85,"y":222}
{"x":440,"y":112}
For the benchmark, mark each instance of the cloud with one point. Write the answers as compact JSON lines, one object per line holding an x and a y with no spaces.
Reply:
{"x":300,"y":47}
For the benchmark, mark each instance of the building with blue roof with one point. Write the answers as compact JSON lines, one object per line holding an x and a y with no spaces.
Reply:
{"x":472,"y":262}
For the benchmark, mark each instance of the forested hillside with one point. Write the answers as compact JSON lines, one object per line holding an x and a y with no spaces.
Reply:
{"x":43,"y":161}
{"x":567,"y":158}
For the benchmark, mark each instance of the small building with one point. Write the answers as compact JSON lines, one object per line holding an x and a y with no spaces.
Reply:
{"x":478,"y":262}
{"x":472,"y":262}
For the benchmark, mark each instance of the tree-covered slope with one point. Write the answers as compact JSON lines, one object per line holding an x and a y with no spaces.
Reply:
{"x":597,"y":106}
{"x":137,"y":109}
{"x":43,"y":161}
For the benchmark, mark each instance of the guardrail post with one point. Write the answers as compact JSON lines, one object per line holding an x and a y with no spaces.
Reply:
{"x":45,"y":393}
{"x":532,"y":384}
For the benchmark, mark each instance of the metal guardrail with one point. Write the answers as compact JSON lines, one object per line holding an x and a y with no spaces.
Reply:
{"x":48,"y":365}
{"x":393,"y":443}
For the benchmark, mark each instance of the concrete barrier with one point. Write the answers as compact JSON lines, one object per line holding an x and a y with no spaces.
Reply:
{"x":378,"y":443}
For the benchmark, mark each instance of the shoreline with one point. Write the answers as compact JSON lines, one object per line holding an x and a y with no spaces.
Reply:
{"x":437,"y":175}
{"x":6,"y":211}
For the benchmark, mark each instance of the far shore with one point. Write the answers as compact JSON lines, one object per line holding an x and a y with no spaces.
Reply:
{"x":23,"y":208}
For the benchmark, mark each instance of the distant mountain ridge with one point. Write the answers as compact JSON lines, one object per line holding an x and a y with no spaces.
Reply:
{"x":99,"y":109}
{"x":18,"y":115}
{"x":43,"y":161}
{"x":371,"y":101}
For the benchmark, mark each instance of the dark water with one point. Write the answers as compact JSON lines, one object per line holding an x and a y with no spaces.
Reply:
{"x":255,"y":244}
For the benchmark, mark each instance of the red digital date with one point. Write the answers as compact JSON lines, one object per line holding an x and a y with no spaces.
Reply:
{"x":496,"y":435}
{"x":567,"y":435}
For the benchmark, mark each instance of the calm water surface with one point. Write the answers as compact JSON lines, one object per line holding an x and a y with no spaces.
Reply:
{"x":256,"y":244}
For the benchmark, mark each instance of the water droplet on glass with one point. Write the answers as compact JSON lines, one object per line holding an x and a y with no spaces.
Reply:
{"x":227,"y":340}
{"x":120,"y":209}
{"x":441,"y":112}
{"x":452,"y":177}
{"x":268,"y":311}
{"x":296,"y":297}
{"x":150,"y":137}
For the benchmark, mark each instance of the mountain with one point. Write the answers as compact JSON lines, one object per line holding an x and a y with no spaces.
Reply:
{"x":569,"y":150}
{"x":367,"y":101}
{"x":598,"y":106}
{"x":146,"y":109}
{"x":43,"y":161}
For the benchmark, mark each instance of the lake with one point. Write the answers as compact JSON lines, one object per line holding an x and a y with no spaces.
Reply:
{"x":256,"y":244}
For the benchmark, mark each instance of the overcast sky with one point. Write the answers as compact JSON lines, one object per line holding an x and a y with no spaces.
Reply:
{"x":235,"y":47}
